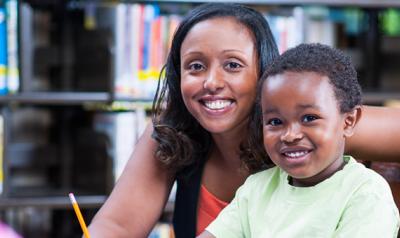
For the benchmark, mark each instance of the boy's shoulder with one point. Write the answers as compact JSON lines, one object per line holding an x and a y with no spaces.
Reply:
{"x":261,"y":178}
{"x":367,"y":180}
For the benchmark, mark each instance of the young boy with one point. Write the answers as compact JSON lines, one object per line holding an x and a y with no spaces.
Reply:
{"x":310,"y":101}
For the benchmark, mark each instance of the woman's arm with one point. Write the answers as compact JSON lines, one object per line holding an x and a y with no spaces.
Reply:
{"x":377,"y":135}
{"x":138,"y":198}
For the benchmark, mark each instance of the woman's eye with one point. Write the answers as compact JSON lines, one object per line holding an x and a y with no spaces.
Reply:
{"x":309,"y":118}
{"x":233,"y":66}
{"x":196,"y":67}
{"x":274,"y":122}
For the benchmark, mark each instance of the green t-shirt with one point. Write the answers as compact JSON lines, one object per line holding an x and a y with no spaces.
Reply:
{"x":354,"y":202}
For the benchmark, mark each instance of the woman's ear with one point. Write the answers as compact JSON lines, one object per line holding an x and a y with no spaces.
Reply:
{"x":351,"y":119}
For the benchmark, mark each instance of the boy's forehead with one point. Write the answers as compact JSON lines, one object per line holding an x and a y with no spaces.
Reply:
{"x":290,"y":84}
{"x":306,"y":78}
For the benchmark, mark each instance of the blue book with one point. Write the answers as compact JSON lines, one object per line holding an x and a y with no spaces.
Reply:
{"x":151,"y":12}
{"x":3,"y":49}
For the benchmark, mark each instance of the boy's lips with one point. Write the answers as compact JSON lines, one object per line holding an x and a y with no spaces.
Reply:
{"x":298,"y":154}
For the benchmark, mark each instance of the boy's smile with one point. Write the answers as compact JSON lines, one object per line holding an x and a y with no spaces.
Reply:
{"x":303,"y":127}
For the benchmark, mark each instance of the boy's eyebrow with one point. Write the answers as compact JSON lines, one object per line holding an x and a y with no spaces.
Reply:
{"x":270,"y":110}
{"x":305,"y":106}
{"x":301,"y":106}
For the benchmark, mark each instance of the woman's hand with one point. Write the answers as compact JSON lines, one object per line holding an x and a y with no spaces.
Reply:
{"x":377,"y":135}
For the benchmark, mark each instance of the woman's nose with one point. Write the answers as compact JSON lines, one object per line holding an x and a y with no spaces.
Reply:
{"x":292,"y":134}
{"x":214,"y":80}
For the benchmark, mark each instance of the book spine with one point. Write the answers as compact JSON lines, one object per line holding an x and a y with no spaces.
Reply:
{"x":12,"y":46}
{"x":1,"y":153}
{"x":3,"y":50}
{"x":135,"y":49}
{"x":120,"y":19}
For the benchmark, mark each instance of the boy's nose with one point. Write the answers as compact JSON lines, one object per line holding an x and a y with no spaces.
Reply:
{"x":292,"y":134}
{"x":214,"y":81}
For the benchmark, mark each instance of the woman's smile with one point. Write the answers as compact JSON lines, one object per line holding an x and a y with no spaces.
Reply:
{"x":217,"y":105}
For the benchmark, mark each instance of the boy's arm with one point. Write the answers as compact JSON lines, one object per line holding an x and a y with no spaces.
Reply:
{"x":370,"y":213}
{"x":206,"y":234}
{"x":232,"y":220}
{"x":377,"y":135}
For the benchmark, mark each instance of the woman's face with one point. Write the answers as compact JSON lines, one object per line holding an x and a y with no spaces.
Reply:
{"x":219,"y":73}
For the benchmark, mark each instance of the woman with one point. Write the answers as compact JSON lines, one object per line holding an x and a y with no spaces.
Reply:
{"x":200,"y":127}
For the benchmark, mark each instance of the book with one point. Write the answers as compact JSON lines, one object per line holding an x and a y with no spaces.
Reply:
{"x":1,"y":154}
{"x":3,"y":49}
{"x":12,"y":46}
{"x":142,"y":40}
{"x":123,"y":128}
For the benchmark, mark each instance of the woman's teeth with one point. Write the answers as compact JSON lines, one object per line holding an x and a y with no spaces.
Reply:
{"x":296,"y":154}
{"x":217,"y":104}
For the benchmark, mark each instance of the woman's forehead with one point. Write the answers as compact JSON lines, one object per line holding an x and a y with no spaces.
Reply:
{"x":224,"y":31}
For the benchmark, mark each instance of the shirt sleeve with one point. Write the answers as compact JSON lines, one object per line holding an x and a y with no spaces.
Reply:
{"x":370,"y":213}
{"x":232,"y":222}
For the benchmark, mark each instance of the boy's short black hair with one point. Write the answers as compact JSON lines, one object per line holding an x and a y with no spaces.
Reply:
{"x":323,"y":60}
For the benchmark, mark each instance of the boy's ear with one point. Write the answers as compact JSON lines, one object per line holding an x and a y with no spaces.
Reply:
{"x":351,"y":119}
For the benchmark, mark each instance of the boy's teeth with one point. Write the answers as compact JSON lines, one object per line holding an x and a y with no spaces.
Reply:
{"x":217,"y":104}
{"x":295,"y":154}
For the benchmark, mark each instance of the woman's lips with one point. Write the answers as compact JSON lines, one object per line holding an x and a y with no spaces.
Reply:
{"x":216,"y":106}
{"x":219,"y":104}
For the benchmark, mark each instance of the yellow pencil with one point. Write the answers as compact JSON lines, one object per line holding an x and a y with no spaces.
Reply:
{"x":79,"y":215}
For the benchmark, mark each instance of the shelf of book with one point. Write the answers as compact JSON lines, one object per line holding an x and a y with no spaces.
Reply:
{"x":63,"y":202}
{"x":54,"y":98}
{"x":69,"y":98}
{"x":94,"y":201}
{"x":349,"y":3}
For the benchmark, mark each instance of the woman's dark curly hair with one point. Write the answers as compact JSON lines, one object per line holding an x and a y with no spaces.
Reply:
{"x":316,"y":58}
{"x":182,"y":140}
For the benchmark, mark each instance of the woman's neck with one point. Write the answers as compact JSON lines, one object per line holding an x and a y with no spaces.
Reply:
{"x":227,"y":145}
{"x":224,"y":171}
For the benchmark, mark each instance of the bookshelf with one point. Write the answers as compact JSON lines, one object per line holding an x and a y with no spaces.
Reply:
{"x":351,"y":3}
{"x":63,"y":126}
{"x":52,"y":202}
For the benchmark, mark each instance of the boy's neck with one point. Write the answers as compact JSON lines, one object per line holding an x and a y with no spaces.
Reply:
{"x":336,"y":166}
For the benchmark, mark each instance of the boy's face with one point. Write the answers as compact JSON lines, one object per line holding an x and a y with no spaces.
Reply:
{"x":303,"y":128}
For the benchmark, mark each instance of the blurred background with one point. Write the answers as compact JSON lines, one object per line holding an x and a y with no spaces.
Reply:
{"x":77,"y":80}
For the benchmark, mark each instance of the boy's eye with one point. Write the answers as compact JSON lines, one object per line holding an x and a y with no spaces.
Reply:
{"x":309,"y":118}
{"x":274,"y":122}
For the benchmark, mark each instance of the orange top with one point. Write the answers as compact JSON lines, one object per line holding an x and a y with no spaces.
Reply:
{"x":209,"y":208}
